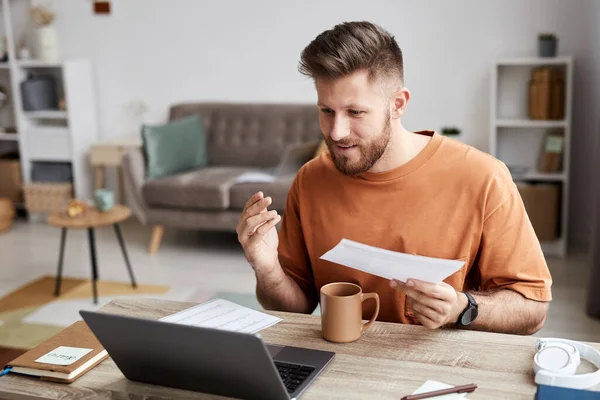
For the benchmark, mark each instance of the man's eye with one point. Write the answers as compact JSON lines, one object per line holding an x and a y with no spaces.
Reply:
{"x":355,"y":112}
{"x":326,"y":110}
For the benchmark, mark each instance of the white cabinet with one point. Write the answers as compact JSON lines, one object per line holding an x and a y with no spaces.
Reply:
{"x":49,"y":144}
{"x":517,"y":140}
{"x":63,"y":135}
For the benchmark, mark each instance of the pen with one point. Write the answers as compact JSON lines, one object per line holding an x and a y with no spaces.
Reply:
{"x":456,"y":389}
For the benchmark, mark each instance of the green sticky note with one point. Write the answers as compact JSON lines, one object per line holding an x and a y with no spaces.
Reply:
{"x":554,"y":144}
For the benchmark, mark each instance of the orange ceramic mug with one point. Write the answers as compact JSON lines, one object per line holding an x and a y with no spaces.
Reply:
{"x":341,"y":311}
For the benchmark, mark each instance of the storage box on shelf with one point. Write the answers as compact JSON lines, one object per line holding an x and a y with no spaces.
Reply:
{"x":547,"y":93}
{"x":531,"y":133}
{"x":542,"y":202}
{"x":10,"y":180}
{"x":47,"y":197}
{"x":7,"y":214}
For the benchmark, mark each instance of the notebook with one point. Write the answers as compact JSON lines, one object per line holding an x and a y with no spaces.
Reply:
{"x":62,"y":358}
{"x":545,"y":392}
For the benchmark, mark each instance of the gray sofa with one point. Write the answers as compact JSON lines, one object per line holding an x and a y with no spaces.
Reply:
{"x":240,"y":138}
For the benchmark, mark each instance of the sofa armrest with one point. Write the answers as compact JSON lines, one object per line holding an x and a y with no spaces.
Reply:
{"x":134,"y":176}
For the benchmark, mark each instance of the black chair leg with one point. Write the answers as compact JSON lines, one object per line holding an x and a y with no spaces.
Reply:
{"x":63,"y":238}
{"x":124,"y":250}
{"x":94,"y":262}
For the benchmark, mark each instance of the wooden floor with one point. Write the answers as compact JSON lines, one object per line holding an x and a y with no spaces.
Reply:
{"x":215,"y":263}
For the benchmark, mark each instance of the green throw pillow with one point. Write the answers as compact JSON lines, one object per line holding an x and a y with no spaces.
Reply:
{"x":177,"y":146}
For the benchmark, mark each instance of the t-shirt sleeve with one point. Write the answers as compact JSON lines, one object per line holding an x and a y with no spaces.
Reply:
{"x":293,"y":255}
{"x":510,"y":254}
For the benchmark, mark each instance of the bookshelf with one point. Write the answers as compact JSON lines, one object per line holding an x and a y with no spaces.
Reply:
{"x":57,"y":135}
{"x":518,"y":140}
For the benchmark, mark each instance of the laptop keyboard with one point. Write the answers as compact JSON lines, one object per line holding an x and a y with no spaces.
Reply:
{"x":293,"y":375}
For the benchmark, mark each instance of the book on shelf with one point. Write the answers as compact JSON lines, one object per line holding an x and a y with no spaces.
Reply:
{"x":551,"y":152}
{"x":546,"y":94}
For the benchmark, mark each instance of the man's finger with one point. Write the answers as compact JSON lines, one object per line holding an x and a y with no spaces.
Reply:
{"x":426,"y":321}
{"x":253,"y":199}
{"x":254,"y":222}
{"x":437,"y":290}
{"x":441,"y":291}
{"x":408,"y":290}
{"x":264,"y":228}
{"x":258,"y":207}
{"x":440,"y":305}
{"x":262,"y":231}
{"x":425,"y":310}
{"x":254,"y":205}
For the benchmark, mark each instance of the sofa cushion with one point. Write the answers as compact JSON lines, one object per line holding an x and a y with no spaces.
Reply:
{"x":278,"y":190}
{"x":174,"y":147}
{"x":204,"y":188}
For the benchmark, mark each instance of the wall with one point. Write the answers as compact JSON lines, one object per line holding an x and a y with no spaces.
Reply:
{"x":248,"y":51}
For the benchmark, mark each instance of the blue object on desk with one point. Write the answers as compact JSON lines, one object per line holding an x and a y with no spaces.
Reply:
{"x":559,"y":393}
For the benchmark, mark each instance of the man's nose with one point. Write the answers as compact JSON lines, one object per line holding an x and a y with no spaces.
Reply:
{"x":339,"y":130}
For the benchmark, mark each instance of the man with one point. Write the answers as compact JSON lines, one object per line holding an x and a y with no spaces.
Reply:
{"x":412,"y":192}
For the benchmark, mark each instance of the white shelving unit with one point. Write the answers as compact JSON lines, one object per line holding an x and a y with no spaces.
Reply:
{"x":517,"y":140}
{"x":50,"y":135}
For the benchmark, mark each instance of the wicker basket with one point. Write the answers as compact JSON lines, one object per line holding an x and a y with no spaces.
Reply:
{"x":7,"y":214}
{"x":46,"y":197}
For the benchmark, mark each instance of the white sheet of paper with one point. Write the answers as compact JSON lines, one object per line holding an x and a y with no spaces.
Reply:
{"x":225,"y":315}
{"x":391,"y":264}
{"x":63,"y":355}
{"x":259,"y":177}
{"x":430,"y":386}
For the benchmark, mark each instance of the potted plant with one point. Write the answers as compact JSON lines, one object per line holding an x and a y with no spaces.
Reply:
{"x":547,"y":44}
{"x":450,"y":131}
{"x":43,"y":18}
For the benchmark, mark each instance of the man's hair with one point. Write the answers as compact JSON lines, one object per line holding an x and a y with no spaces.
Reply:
{"x":350,"y":47}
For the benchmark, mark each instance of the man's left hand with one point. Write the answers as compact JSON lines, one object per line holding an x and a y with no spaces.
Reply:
{"x":434,"y":304}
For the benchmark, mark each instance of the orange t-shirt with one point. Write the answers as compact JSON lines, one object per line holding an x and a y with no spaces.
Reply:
{"x":451,"y":201}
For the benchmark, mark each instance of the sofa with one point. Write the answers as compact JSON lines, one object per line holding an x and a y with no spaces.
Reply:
{"x":239,"y":138}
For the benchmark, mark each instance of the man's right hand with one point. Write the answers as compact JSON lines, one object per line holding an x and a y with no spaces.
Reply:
{"x":257,"y":234}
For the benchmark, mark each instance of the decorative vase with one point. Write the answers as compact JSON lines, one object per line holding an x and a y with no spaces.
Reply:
{"x":547,"y":47}
{"x":48,"y":43}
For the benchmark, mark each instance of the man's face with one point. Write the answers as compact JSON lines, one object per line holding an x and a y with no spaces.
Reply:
{"x":355,"y":121}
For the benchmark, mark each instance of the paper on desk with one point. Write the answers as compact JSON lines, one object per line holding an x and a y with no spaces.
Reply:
{"x":391,"y":264}
{"x":430,"y":386}
{"x":225,"y":315}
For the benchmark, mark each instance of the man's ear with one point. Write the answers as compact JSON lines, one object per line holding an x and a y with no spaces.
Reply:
{"x":399,"y":102}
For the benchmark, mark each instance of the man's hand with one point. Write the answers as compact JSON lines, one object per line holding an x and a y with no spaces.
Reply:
{"x":434,"y":305}
{"x":257,"y":234}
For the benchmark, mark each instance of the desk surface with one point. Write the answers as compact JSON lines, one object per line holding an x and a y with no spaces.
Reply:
{"x":388,"y":362}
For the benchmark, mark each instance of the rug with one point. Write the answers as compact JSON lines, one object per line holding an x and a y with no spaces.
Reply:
{"x":31,"y":313}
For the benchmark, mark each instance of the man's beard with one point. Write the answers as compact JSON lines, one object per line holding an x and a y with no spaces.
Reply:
{"x":370,"y":153}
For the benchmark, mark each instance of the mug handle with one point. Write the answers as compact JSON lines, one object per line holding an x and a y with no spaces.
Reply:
{"x":366,"y":296}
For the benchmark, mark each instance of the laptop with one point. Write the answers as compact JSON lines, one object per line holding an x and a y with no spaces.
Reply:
{"x":294,"y":157}
{"x":206,"y":360}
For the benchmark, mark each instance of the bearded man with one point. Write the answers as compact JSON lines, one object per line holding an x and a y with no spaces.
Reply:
{"x":413,"y":192}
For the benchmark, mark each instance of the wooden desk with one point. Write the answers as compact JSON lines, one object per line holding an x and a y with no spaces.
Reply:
{"x":389,"y":361}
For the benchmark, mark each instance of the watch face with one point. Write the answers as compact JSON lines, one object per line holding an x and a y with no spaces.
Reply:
{"x":469,"y":316}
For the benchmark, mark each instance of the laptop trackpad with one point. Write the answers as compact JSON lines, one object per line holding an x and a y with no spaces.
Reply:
{"x":274,"y":349}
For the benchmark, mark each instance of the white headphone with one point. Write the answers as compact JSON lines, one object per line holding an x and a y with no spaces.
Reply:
{"x":556,"y":361}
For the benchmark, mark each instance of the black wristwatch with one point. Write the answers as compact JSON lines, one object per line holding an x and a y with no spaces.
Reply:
{"x":469,"y":313}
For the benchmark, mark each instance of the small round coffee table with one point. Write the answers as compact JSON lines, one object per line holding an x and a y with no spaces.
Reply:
{"x":91,"y":219}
